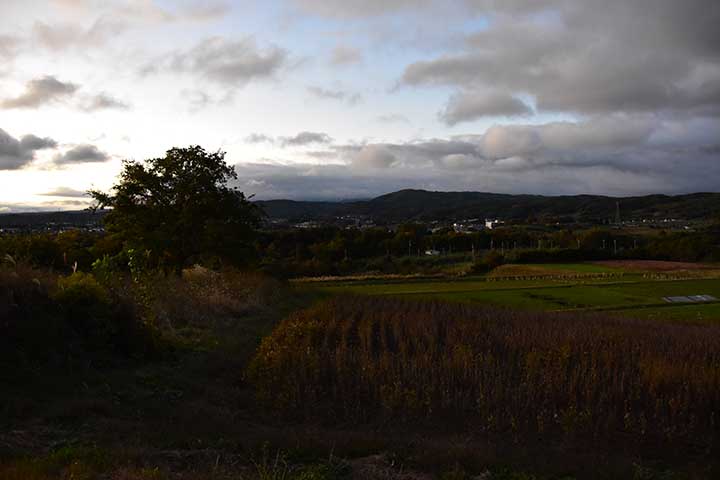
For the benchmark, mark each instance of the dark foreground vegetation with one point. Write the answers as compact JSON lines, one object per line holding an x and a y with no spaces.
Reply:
{"x":158,"y":350}
{"x":520,"y":375}
{"x":163,"y":376}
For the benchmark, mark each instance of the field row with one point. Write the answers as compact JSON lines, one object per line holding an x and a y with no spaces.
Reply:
{"x":631,"y":294}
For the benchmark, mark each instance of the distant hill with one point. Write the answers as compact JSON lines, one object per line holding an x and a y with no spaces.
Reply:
{"x":425,"y":205}
{"x":33,"y":219}
{"x":299,"y":210}
{"x":422,"y":205}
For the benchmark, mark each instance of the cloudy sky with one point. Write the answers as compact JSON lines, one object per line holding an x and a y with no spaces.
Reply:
{"x":337,"y":99}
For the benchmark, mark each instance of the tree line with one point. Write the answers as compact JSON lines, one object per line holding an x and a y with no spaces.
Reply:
{"x":182,"y":209}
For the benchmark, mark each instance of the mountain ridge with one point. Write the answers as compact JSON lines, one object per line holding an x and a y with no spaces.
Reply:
{"x":424,"y":205}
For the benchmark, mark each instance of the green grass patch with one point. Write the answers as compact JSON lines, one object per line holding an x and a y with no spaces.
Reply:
{"x":632,"y":294}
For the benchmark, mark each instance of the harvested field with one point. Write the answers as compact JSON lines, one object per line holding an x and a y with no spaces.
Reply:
{"x":579,"y":287}
{"x":653,"y":265}
{"x":382,"y":360}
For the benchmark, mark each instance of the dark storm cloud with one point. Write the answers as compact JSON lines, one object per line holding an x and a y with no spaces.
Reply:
{"x":81,"y":154}
{"x":41,"y":91}
{"x":641,"y":56}
{"x":16,"y":154}
{"x":33,"y":143}
{"x":48,"y":90}
{"x":232,"y":63}
{"x":468,"y":106}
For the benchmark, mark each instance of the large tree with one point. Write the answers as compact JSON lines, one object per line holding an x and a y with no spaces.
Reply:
{"x":179,"y":209}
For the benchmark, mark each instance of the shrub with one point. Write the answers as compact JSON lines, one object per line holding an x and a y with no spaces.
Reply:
{"x":84,"y":301}
{"x":556,"y":255}
{"x":491,"y":260}
{"x":30,"y":325}
{"x":101,"y":322}
{"x":202,"y":297}
{"x":49,"y":319}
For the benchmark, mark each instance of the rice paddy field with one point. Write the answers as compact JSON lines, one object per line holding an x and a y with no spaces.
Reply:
{"x":633,"y":289}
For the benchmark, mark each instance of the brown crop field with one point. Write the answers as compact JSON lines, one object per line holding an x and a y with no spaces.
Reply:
{"x":371,"y":360}
{"x":653,"y":265}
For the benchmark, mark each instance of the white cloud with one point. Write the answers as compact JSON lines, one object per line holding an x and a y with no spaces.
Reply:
{"x":340,"y":95}
{"x":232,"y":63}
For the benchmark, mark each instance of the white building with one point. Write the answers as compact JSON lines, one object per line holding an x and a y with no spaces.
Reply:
{"x":490,"y":224}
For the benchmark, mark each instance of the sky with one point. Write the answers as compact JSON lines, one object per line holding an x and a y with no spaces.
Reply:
{"x":349,"y":99}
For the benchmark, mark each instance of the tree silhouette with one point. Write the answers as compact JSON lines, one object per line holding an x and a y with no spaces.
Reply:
{"x":179,"y":209}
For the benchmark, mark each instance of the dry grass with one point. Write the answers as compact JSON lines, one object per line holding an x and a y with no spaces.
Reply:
{"x":202,"y":299}
{"x":494,"y":371}
{"x":20,"y":284}
{"x":653,"y":265}
{"x":366,"y":277}
{"x":544,"y":272}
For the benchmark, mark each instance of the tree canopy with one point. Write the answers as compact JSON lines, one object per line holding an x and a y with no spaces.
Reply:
{"x":180,"y":209}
